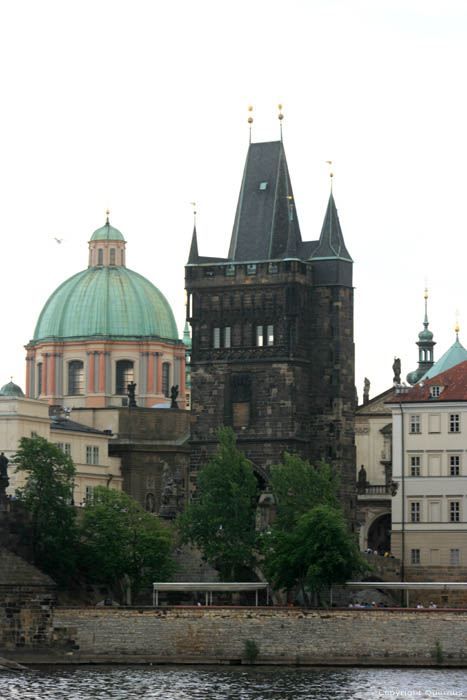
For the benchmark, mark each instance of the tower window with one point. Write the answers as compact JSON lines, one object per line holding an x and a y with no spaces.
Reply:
{"x":230,"y":271}
{"x":271,"y":335}
{"x":259,"y":336}
{"x":100,"y":256}
{"x":125,"y":375}
{"x":263,"y":186}
{"x":227,"y":336}
{"x":75,"y":378}
{"x":251,"y":269}
{"x":216,"y":337}
{"x":166,"y":378}
{"x":112,"y":256}
{"x":122,"y":257}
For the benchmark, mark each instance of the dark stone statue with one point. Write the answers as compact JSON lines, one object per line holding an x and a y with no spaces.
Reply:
{"x":131,"y":394}
{"x":366,"y":390}
{"x":396,"y":368}
{"x":4,"y":480}
{"x":362,"y":482}
{"x":173,"y":396}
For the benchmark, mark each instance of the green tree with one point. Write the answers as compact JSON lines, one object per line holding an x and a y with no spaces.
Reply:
{"x":47,"y":495}
{"x":222,"y":523}
{"x":319,"y":551}
{"x":121,"y":543}
{"x":298,"y":486}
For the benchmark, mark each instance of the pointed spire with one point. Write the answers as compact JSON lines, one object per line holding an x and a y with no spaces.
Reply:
{"x":193,"y":257}
{"x":331,"y":241}
{"x":425,"y":349}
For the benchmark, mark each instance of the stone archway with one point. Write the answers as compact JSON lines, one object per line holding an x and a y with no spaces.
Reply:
{"x":379,"y":534}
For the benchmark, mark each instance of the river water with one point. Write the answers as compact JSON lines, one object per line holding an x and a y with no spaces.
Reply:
{"x":220,"y":683}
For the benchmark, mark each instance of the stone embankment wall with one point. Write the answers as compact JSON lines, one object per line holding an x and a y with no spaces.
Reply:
{"x":283,"y":636}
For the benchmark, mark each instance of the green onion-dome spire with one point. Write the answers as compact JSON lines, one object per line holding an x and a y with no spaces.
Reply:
{"x":425,"y":349}
{"x":107,"y":300}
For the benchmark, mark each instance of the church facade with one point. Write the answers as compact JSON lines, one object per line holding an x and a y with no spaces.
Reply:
{"x":272,"y":332}
{"x":102,"y":329}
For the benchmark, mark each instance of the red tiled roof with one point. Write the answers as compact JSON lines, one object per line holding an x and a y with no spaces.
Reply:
{"x":453,"y":382}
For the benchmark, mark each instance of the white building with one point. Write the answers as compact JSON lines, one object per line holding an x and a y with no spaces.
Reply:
{"x":429,"y":458}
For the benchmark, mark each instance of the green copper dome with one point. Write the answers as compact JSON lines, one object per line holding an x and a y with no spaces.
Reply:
{"x":107,"y":233}
{"x":106,"y":302}
{"x":11,"y":389}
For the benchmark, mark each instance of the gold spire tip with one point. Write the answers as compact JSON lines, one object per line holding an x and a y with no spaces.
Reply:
{"x":107,"y":212}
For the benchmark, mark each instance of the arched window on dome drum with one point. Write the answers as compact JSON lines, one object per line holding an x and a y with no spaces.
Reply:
{"x":112,"y":256}
{"x":125,"y":375}
{"x":122,"y":259}
{"x":75,"y":378}
{"x":39,"y":378}
{"x":166,"y":378}
{"x":100,"y":256}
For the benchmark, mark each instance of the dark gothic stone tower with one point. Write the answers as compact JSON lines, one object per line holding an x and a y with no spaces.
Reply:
{"x":272,"y":331}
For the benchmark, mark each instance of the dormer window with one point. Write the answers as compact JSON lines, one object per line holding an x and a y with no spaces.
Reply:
{"x":435,"y":391}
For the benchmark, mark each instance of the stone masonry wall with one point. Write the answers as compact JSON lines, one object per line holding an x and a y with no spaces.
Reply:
{"x":283,"y":636}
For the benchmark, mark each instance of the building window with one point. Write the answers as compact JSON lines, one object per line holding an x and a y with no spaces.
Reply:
{"x":259,"y":336}
{"x":454,"y":557}
{"x":68,"y":449}
{"x":125,"y":375}
{"x":75,"y":378}
{"x":414,"y":466}
{"x":227,"y":337}
{"x":92,"y":454}
{"x":166,"y":378}
{"x":454,"y":423}
{"x":90,"y":494}
{"x":454,"y":465}
{"x":60,"y":445}
{"x":270,"y":335}
{"x":415,"y":512}
{"x":415,"y":556}
{"x":414,"y":424}
{"x":112,"y":256}
{"x":216,"y":337}
{"x":454,"y":511}
{"x":100,"y":256}
{"x":39,"y":378}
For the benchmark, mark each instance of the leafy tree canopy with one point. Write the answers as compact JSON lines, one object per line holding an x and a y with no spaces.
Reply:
{"x":320,"y":551}
{"x":47,"y":495}
{"x":298,"y":487}
{"x":222,"y":523}
{"x":120,"y":541}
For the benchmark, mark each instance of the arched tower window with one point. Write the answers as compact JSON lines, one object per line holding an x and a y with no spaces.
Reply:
{"x":166,"y":378}
{"x":75,"y":378}
{"x":112,"y":256}
{"x":100,"y":256}
{"x":125,"y":375}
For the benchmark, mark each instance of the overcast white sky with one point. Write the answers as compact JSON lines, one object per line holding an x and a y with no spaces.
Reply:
{"x":141,"y":106}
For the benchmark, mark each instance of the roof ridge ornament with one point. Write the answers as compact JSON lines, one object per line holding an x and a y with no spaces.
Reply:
{"x":280,"y":117}
{"x":107,"y":222}
{"x":250,"y":121}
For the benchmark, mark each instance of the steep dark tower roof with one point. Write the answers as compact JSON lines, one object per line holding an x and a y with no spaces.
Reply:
{"x":331,"y":242}
{"x":266,"y":223}
{"x":193,"y":256}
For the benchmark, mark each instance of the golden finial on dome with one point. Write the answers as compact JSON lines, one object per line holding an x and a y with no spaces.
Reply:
{"x":457,"y":322}
{"x":107,"y":214}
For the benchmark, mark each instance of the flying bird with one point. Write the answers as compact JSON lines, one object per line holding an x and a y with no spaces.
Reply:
{"x":59,"y":240}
